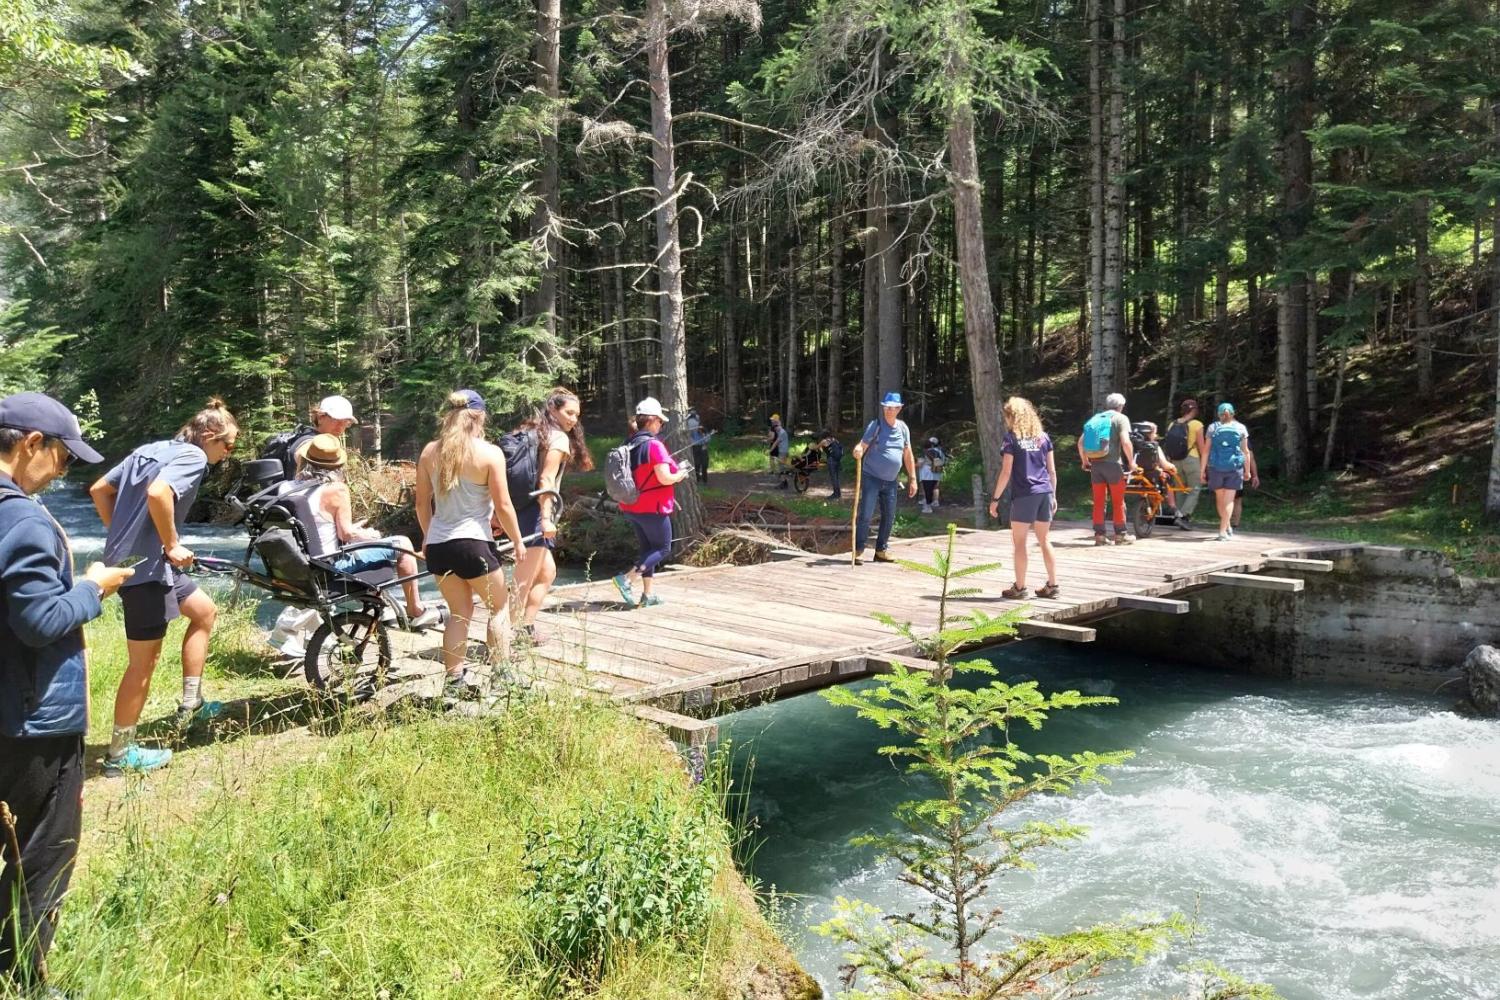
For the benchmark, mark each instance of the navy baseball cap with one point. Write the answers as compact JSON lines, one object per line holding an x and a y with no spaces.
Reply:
{"x":35,"y":411}
{"x":472,"y":399}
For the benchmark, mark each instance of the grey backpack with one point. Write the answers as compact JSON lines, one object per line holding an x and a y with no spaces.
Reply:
{"x":619,"y":474}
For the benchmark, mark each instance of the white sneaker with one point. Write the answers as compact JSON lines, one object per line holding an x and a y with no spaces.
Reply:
{"x":926,"y":509}
{"x":429,"y":617}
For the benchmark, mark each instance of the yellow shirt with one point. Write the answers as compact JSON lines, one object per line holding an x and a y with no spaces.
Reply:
{"x":1195,"y":437}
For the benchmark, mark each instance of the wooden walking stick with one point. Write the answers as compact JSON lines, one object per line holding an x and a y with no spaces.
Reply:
{"x":859,"y":462}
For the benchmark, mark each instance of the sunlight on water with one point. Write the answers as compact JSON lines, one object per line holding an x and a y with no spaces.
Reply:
{"x":1340,"y":844}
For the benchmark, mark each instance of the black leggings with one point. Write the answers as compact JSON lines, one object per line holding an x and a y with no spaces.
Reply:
{"x":929,"y":490}
{"x":42,"y":780}
{"x":653,"y":532}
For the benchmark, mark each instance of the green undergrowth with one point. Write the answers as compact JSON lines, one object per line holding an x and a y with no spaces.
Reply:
{"x":555,"y":851}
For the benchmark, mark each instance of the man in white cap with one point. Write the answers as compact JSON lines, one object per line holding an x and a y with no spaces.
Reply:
{"x":333,"y":415}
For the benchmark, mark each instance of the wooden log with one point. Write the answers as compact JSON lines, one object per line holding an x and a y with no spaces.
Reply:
{"x":1163,"y":605}
{"x":1055,"y":630}
{"x":682,"y":728}
{"x":1285,"y":585}
{"x":1304,"y":565}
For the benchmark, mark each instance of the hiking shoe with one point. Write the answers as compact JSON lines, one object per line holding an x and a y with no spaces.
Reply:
{"x":429,"y":618}
{"x":461,"y":686}
{"x":859,"y":560}
{"x":136,"y":760}
{"x":1048,"y":591}
{"x":1099,"y":538}
{"x":1014,"y":592}
{"x":651,"y":601}
{"x":882,"y":555}
{"x":1221,"y":537}
{"x":926,"y":509}
{"x":204,"y":711}
{"x":531,"y":635}
{"x":1231,"y":532}
{"x":1184,"y":523}
{"x":1123,"y":539}
{"x":622,"y":584}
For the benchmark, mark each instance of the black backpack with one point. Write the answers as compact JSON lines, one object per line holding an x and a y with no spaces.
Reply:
{"x":521,"y":468}
{"x":283,"y":447}
{"x":1175,"y":444}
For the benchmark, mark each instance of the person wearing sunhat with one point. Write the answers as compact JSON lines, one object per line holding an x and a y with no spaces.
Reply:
{"x":656,"y":474}
{"x":323,"y":461}
{"x":43,"y":680}
{"x":885,"y":449}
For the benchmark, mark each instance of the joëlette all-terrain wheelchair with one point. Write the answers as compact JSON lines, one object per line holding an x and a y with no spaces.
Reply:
{"x":349,"y":653}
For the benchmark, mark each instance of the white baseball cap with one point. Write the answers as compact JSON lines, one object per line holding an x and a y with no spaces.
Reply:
{"x":650,"y":407}
{"x":337,"y":407}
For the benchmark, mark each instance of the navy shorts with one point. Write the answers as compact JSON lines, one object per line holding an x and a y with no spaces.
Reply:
{"x":1225,"y":479}
{"x":531,"y":523}
{"x":465,"y":558}
{"x":1031,"y":509}
{"x":150,"y":607}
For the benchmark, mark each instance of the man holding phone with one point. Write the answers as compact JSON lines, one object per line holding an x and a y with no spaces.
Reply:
{"x":43,"y":681}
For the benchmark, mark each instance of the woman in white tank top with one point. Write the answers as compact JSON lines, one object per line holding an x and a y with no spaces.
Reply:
{"x":460,"y":485}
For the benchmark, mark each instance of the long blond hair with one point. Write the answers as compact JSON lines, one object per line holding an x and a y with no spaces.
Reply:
{"x":456,"y":438}
{"x":213,"y":421}
{"x":1022,"y":418}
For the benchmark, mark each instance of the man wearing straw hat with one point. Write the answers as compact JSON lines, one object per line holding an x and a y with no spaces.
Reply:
{"x":887,"y":443}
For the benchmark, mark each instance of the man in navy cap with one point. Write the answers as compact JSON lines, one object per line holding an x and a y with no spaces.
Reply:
{"x":43,"y":681}
{"x":885,"y":448}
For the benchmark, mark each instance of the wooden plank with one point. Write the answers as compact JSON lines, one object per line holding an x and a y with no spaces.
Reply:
{"x":1164,"y":605}
{"x":682,"y":728}
{"x":882,"y":664}
{"x":1282,"y":584}
{"x":1304,"y":565}
{"x":1055,"y":630}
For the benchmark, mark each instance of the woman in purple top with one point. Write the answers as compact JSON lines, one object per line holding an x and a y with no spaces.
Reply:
{"x":1030,"y":470}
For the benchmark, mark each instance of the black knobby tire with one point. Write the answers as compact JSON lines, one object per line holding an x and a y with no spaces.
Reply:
{"x":358,"y":665}
{"x":800,"y":481}
{"x":1143,"y":515}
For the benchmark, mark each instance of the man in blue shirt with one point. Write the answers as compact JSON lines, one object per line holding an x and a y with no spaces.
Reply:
{"x":43,"y":681}
{"x":885,"y":448}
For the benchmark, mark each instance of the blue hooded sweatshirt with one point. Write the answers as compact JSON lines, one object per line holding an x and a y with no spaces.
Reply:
{"x":43,"y":679}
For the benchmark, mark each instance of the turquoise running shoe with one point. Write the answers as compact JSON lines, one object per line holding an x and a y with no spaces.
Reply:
{"x":136,"y":760}
{"x":204,"y":711}
{"x":622,"y":584}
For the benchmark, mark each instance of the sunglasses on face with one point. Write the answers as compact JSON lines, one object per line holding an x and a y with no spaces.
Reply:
{"x":68,"y":457}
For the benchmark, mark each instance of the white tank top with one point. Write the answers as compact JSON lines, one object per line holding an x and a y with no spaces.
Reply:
{"x":461,"y":512}
{"x":328,"y":532}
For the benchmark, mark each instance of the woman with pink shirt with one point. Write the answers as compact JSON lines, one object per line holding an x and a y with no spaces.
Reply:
{"x":656,"y":473}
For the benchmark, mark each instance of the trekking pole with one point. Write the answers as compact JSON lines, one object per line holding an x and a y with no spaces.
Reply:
{"x":859,"y":462}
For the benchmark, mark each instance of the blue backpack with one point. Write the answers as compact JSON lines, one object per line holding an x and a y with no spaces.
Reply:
{"x":1097,"y":432}
{"x":1224,"y":448}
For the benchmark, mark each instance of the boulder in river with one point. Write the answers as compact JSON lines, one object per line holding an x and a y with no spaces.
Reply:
{"x":1482,"y":671}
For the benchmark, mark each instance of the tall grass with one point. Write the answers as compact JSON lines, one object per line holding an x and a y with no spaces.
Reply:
{"x":394,"y":864}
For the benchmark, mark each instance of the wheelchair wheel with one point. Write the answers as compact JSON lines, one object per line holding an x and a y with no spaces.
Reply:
{"x":800,"y":481}
{"x":1143,"y":514}
{"x":349,"y":655}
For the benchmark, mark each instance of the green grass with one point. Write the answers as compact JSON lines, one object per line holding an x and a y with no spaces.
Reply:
{"x":391,"y":864}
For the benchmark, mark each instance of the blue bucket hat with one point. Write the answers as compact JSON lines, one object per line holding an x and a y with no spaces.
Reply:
{"x":892,"y":399}
{"x":472,"y":400}
{"x":1225,"y":408}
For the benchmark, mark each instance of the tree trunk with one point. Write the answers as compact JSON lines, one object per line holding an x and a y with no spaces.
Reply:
{"x":1314,"y":304}
{"x":1112,"y":361}
{"x":979,"y":309}
{"x":543,"y":303}
{"x":1296,"y":209}
{"x":793,"y":380}
{"x":888,"y":269}
{"x":833,"y":416}
{"x":1492,"y":495}
{"x":673,"y":334}
{"x":733,"y":396}
{"x":1095,"y":297}
{"x":1333,"y":414}
{"x":870,"y":319}
{"x":1421,"y":310}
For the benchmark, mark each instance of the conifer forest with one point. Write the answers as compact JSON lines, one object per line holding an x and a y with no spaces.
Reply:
{"x":788,"y":205}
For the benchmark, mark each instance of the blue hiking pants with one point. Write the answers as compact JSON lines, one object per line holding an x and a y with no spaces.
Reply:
{"x":871,"y":492}
{"x":653,"y":532}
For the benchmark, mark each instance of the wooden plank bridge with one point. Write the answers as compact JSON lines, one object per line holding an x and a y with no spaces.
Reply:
{"x":730,"y":636}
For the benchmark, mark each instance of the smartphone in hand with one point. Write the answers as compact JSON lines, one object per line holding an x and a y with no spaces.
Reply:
{"x":127,"y":562}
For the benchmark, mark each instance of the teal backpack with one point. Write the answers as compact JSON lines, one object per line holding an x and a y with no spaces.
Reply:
{"x":1097,"y":431}
{"x":1224,"y":448}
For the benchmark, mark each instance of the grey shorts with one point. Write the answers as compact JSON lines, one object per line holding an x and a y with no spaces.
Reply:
{"x":1225,"y":479}
{"x":1104,"y":470}
{"x":1031,"y":509}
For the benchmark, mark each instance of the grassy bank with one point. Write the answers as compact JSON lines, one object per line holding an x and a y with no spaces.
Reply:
{"x":413,"y":855}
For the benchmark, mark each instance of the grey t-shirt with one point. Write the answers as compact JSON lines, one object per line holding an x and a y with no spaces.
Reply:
{"x":181,"y":466}
{"x":1117,"y":439}
{"x":885,"y":447}
{"x":783,"y":441}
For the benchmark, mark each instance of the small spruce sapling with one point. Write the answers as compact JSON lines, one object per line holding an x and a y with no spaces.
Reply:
{"x":952,"y":845}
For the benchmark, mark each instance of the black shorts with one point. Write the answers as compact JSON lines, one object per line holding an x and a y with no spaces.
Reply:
{"x":465,"y":558}
{"x":150,"y":607}
{"x":531,"y":524}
